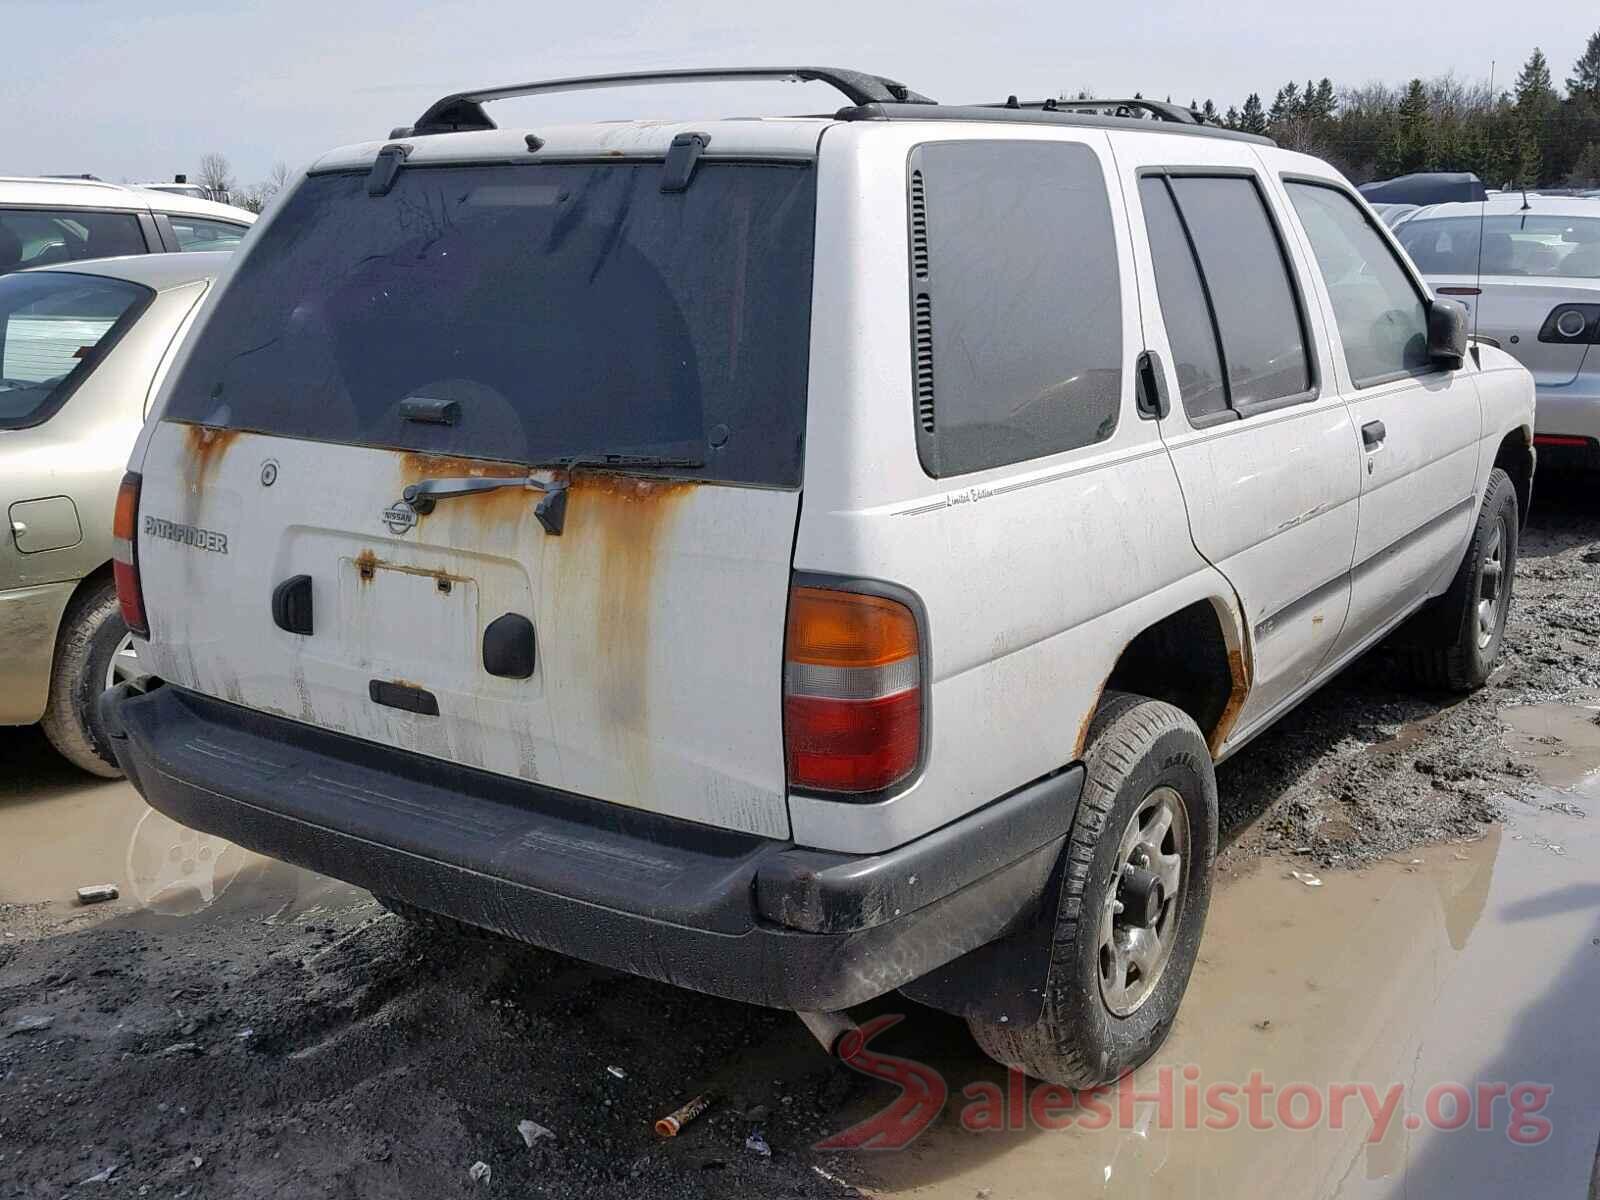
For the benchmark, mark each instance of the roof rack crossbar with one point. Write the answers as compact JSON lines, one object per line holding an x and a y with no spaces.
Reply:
{"x":463,"y":111}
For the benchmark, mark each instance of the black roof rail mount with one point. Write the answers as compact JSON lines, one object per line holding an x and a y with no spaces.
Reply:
{"x":1157,"y":109}
{"x":1044,"y":113}
{"x":463,"y":111}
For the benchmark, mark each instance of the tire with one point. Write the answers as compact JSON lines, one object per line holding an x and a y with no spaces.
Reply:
{"x":1454,"y":644}
{"x":91,"y":632}
{"x":1138,"y":748}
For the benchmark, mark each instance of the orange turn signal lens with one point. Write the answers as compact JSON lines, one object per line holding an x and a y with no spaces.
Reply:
{"x":844,"y":629}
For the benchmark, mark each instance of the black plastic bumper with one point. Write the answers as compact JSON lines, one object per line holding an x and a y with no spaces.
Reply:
{"x":715,"y":910}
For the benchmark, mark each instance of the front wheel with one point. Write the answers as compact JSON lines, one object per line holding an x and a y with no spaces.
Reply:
{"x":1133,"y":900}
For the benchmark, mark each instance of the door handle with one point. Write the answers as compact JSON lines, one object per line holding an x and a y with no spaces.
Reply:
{"x":1372,"y":434}
{"x":1151,"y":399}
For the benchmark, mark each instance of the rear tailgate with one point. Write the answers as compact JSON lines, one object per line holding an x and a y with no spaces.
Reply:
{"x":526,"y":313}
{"x":658,"y":615}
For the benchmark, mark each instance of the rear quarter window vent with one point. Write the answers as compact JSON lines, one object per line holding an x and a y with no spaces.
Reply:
{"x":922,"y":337}
{"x":919,"y":227}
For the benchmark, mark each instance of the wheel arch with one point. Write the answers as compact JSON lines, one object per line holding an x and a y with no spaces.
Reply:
{"x":1516,"y":457}
{"x":1195,"y":658}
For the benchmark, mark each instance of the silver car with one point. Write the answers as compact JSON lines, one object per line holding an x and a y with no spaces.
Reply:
{"x":82,"y":346}
{"x":1534,"y":287}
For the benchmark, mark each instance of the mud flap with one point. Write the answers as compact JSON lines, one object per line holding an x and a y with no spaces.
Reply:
{"x":1002,"y":982}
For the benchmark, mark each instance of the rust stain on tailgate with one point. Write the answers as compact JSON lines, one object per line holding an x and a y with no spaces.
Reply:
{"x":617,"y":530}
{"x":204,"y":447}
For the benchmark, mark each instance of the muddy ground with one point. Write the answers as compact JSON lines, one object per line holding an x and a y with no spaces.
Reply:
{"x":270,"y":1033}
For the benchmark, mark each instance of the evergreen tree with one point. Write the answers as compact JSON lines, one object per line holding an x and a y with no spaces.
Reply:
{"x":1286,"y":104}
{"x":1585,"y":78}
{"x":1323,"y":104}
{"x":1208,"y":110}
{"x":1232,"y":119}
{"x":1535,"y":92}
{"x":1252,"y":119}
{"x":1586,"y":171}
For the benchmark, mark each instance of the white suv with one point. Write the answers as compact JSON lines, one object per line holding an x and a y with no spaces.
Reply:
{"x":801,"y":558}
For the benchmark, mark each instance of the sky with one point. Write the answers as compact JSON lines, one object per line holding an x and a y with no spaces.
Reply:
{"x":141,"y":90}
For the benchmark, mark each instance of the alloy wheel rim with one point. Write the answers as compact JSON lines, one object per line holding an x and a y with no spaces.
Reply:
{"x":124,"y":663}
{"x":1491,"y":585}
{"x":1140,"y":919}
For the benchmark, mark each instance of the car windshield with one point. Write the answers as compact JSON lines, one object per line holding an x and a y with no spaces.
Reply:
{"x":55,"y":326}
{"x":564,"y":309}
{"x":1540,"y":244}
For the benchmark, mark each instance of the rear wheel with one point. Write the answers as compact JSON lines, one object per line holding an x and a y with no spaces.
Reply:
{"x":94,"y":651}
{"x":1454,"y":644}
{"x":1133,"y":900}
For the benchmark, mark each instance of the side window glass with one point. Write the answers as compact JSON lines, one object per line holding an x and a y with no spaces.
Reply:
{"x":1016,"y":303}
{"x":39,"y":237}
{"x":1184,"y":306}
{"x":1253,"y":301}
{"x":196,"y":233}
{"x":1382,"y":319}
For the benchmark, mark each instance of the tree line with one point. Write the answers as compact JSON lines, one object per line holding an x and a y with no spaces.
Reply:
{"x":1532,"y":134}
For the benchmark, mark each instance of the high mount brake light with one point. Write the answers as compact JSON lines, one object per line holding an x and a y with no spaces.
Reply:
{"x":853,"y":709}
{"x":125,"y":555}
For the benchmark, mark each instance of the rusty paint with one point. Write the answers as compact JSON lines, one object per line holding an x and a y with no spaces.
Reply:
{"x":606,"y":562}
{"x":366,"y":566}
{"x":415,"y":465}
{"x":205,"y":446}
{"x":1088,"y":719}
{"x":1239,"y":670}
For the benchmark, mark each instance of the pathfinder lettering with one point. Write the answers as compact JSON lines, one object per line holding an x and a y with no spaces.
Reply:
{"x":186,"y":535}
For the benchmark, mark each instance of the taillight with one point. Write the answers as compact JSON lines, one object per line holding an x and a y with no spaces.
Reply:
{"x":852,"y":705}
{"x":125,"y":555}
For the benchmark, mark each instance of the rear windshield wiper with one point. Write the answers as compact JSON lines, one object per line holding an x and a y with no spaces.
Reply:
{"x":552,"y":510}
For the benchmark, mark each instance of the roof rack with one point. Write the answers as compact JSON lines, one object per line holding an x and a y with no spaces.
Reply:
{"x":1044,"y":113}
{"x":463,"y":111}
{"x":1158,"y":110}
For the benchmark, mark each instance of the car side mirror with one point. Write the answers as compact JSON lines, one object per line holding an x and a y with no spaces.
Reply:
{"x":1447,"y":334}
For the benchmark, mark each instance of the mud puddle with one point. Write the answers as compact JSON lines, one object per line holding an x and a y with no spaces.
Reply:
{"x":1464,"y":965}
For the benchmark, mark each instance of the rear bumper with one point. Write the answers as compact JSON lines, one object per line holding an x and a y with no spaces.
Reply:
{"x":1565,"y":415}
{"x":715,"y":910}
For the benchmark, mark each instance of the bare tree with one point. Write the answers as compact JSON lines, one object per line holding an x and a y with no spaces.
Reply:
{"x":216,"y":176}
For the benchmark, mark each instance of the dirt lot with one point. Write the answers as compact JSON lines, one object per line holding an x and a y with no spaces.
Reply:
{"x":264,"y":1032}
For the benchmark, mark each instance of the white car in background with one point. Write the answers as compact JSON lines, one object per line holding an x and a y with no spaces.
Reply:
{"x":1535,"y":290}
{"x":47,"y":222}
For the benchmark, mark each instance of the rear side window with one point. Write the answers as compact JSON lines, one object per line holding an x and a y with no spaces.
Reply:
{"x":1185,"y":307}
{"x":42,"y":237}
{"x":1016,"y":303}
{"x":196,"y":233}
{"x":1382,"y":319}
{"x":567,"y":308}
{"x":1546,"y":245}
{"x":54,"y":327}
{"x":1253,"y":305}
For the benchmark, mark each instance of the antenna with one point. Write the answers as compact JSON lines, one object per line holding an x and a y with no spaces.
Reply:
{"x":1483,"y":208}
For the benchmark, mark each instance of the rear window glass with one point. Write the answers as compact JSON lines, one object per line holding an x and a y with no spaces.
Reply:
{"x":569,"y":309}
{"x":54,"y":327}
{"x":1525,"y":244}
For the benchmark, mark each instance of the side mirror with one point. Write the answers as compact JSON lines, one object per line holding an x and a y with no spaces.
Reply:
{"x":1447,"y":334}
